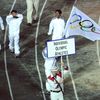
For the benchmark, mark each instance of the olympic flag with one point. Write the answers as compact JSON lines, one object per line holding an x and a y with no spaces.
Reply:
{"x":80,"y":24}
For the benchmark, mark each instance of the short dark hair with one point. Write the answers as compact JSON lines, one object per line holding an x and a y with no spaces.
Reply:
{"x":59,"y":11}
{"x":15,"y":11}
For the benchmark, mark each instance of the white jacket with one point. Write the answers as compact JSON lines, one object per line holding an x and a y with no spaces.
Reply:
{"x":56,"y":28}
{"x":49,"y":62}
{"x":1,"y":24}
{"x":14,"y":23}
{"x":53,"y":85}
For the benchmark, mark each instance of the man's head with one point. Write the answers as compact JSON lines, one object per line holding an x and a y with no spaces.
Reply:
{"x":14,"y":12}
{"x":58,"y":13}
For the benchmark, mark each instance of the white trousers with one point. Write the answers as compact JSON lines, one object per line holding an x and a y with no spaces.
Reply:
{"x":56,"y":96}
{"x":14,"y":43}
{"x":30,"y":4}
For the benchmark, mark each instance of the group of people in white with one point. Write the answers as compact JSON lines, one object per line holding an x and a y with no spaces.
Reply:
{"x":14,"y":20}
{"x":54,"y":75}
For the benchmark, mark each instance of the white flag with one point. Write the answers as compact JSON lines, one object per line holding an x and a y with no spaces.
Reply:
{"x":80,"y":24}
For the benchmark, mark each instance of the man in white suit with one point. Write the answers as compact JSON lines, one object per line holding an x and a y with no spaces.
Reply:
{"x":57,"y":25}
{"x":14,"y":20}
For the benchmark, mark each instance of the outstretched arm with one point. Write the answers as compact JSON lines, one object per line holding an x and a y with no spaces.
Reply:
{"x":50,"y":28}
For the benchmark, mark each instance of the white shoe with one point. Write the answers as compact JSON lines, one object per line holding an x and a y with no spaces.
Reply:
{"x":17,"y":55}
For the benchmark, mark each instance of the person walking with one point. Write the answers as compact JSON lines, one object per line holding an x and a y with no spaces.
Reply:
{"x":32,"y":7}
{"x":55,"y":84}
{"x":14,"y":21}
{"x":56,"y":26}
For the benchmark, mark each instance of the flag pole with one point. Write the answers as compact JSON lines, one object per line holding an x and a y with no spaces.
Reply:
{"x":97,"y":44}
{"x":98,"y":54}
{"x":62,"y":71}
{"x":75,"y":2}
{"x":72,"y":79}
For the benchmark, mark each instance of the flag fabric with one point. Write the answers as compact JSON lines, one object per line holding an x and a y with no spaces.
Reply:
{"x":80,"y":24}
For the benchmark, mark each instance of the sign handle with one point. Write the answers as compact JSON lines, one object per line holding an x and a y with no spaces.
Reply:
{"x":62,"y":71}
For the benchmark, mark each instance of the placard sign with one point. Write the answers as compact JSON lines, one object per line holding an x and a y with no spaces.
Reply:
{"x":61,"y":47}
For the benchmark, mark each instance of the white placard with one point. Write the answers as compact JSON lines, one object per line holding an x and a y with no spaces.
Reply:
{"x":61,"y":47}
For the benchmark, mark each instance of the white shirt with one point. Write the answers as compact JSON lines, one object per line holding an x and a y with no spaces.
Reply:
{"x":49,"y":63}
{"x":56,"y":28}
{"x":53,"y":84}
{"x":14,"y":23}
{"x":1,"y":24}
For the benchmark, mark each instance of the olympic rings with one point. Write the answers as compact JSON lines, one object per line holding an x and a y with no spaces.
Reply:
{"x":94,"y":30}
{"x":85,"y":25}
{"x":84,"y":22}
{"x":76,"y":18}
